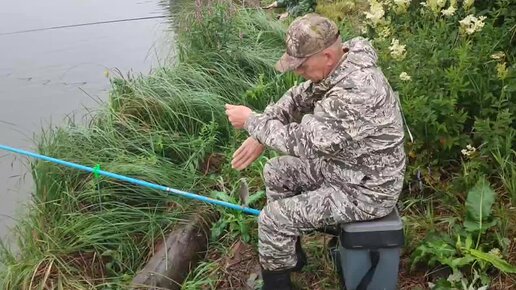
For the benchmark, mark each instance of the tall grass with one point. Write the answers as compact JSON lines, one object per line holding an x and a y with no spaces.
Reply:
{"x":84,"y":232}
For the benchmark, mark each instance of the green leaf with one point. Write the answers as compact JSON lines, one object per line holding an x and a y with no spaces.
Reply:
{"x":442,"y":284}
{"x":478,"y":206}
{"x":221,"y":195}
{"x":435,"y":248}
{"x":496,"y":261}
{"x":218,"y":228}
{"x":255,"y":197}
{"x":244,"y":230}
{"x":462,"y":261}
{"x":469,"y":242}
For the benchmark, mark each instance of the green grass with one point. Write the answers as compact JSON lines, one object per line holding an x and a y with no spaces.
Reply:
{"x":84,"y":232}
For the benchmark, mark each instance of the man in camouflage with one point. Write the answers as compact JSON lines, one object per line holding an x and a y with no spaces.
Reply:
{"x":341,"y":133}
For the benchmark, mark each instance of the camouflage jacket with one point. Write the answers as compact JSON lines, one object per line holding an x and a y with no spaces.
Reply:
{"x":350,"y":122}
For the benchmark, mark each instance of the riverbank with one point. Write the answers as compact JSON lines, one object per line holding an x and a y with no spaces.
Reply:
{"x":170,"y":128}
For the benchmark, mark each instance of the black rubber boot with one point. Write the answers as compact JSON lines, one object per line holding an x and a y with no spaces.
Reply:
{"x":276,"y":280}
{"x":301,"y":256}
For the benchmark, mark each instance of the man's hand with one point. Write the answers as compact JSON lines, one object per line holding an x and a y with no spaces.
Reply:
{"x":247,"y":153}
{"x":272,"y":5}
{"x":238,"y":115}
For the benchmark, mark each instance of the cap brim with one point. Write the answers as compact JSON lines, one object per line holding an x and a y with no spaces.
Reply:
{"x":288,"y":63}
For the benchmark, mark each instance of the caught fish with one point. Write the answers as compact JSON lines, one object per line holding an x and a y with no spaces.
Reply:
{"x":244,"y":192}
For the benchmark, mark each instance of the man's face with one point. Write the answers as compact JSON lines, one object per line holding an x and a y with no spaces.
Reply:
{"x":314,"y":68}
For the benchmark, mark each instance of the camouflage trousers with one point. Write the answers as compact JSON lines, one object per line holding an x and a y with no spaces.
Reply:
{"x":298,"y":200}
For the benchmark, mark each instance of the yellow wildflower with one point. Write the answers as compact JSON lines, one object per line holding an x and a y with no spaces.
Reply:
{"x":375,"y":12}
{"x":501,"y":70}
{"x":384,"y":32}
{"x":401,"y":5}
{"x":405,"y":77}
{"x":435,"y":5}
{"x":467,"y":4}
{"x":397,"y":50}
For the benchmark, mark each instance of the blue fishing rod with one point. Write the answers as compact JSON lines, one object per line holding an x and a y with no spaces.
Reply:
{"x":98,"y":171}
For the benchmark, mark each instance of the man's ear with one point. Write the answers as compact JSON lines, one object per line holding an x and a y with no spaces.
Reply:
{"x":329,"y":57}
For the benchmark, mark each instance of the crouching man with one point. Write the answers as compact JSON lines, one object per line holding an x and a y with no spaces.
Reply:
{"x":341,"y":135}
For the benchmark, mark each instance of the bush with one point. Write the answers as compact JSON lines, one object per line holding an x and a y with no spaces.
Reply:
{"x":453,"y":65}
{"x":456,"y":85}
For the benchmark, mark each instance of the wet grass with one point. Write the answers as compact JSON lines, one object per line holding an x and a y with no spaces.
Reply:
{"x":84,"y":232}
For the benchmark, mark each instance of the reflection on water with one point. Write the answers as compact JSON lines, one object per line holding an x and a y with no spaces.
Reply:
{"x":46,"y":75}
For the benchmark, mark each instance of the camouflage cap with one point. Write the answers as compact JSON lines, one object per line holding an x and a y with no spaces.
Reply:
{"x":306,"y":36}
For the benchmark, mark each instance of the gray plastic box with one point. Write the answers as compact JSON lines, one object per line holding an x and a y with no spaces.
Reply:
{"x":364,"y":244}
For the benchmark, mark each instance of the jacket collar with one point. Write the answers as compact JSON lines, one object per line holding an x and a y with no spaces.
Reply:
{"x":360,"y":54}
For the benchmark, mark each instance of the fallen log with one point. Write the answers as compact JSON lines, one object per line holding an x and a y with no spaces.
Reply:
{"x":177,"y":256}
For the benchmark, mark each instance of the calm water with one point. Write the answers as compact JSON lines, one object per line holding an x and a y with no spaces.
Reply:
{"x":46,"y":75}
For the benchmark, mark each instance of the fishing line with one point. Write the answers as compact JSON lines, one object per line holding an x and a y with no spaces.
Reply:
{"x":83,"y":24}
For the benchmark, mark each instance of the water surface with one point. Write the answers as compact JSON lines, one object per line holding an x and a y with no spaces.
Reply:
{"x":48,"y":74}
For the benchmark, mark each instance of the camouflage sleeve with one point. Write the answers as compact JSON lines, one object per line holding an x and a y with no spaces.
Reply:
{"x":291,"y":105}
{"x":334,"y":121}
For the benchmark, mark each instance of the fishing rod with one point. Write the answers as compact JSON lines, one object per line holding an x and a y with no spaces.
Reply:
{"x":98,"y":171}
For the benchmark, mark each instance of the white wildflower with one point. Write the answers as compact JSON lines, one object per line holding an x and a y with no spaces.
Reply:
{"x":496,"y":252}
{"x":383,"y":2}
{"x":424,"y":4}
{"x":375,"y":12}
{"x":468,"y":151}
{"x":455,"y":277}
{"x":470,"y":24}
{"x":467,"y":4}
{"x":397,"y":50}
{"x":499,"y":55}
{"x":405,"y":77}
{"x":449,"y":12}
{"x":363,"y":29}
{"x":480,"y":23}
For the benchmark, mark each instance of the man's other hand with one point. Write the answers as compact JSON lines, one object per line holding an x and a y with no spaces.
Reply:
{"x":247,"y":153}
{"x":237,"y":115}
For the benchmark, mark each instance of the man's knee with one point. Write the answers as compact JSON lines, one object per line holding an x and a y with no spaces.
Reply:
{"x":273,"y":221}
{"x":272,"y":172}
{"x":265,"y":219}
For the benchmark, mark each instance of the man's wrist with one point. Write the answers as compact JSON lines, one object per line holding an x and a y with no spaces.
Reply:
{"x":248,"y":124}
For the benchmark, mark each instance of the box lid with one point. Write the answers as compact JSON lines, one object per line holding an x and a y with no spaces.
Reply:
{"x":391,"y":222}
{"x":386,"y":232}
